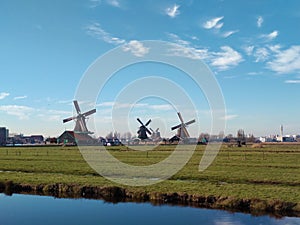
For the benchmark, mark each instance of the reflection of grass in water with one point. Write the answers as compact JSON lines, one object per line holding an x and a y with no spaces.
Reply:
{"x":272,"y":172}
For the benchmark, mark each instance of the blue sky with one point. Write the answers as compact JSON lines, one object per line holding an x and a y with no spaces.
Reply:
{"x":252,"y":47}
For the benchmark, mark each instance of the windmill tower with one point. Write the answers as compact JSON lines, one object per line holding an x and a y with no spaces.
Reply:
{"x":80,"y":125}
{"x":182,"y":132}
{"x":155,"y":134}
{"x":143,"y":130}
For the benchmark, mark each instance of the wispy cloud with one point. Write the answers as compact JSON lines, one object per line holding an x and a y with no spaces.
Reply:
{"x":20,"y":97}
{"x":22,"y":112}
{"x":229,"y":33}
{"x":184,"y":48}
{"x":173,"y":11}
{"x":259,"y":21}
{"x":222,"y":60}
{"x":175,"y":38}
{"x":3,"y":95}
{"x":270,"y":36}
{"x":286,"y":61}
{"x":249,"y":49}
{"x":261,"y":54}
{"x":94,"y":3}
{"x":213,"y":23}
{"x":255,"y":73}
{"x":226,"y":58}
{"x":292,"y":81}
{"x":65,"y":101}
{"x":136,"y":48}
{"x":188,"y":52}
{"x":164,"y":107}
{"x":114,"y":3}
{"x":95,"y":30}
{"x":121,"y":105}
{"x":229,"y":117}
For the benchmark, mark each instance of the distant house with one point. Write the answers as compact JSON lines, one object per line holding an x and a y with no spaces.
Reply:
{"x":36,"y":139}
{"x":72,"y":138}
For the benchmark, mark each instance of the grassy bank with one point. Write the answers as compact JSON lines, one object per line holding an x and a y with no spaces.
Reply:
{"x":271,"y":173}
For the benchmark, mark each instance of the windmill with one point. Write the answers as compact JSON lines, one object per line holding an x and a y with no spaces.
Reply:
{"x":182,"y":131}
{"x":143,"y":130}
{"x":241,"y":138}
{"x":80,"y":126}
{"x":155,"y":134}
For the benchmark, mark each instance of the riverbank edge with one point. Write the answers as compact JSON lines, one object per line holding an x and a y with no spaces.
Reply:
{"x":116,"y":194}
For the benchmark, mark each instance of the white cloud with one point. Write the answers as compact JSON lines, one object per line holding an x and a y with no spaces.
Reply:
{"x":229,"y":33}
{"x":260,"y":21}
{"x":226,"y":58}
{"x":114,"y":3}
{"x":286,"y":61}
{"x":3,"y":95}
{"x":270,"y":36}
{"x":121,"y":105}
{"x":165,"y":107}
{"x":249,"y":49}
{"x":255,"y":73}
{"x":213,"y":23}
{"x":22,"y":112}
{"x":20,"y":97}
{"x":183,"y":48}
{"x":292,"y":81}
{"x":173,"y":11}
{"x":136,"y":48}
{"x":105,"y":104}
{"x":94,"y":3}
{"x":229,"y":117}
{"x":261,"y":54}
{"x":274,"y":48}
{"x":96,"y":31}
{"x":188,"y":52}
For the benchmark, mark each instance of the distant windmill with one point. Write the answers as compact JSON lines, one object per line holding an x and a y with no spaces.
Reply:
{"x":143,"y":130}
{"x":182,"y":131}
{"x":241,"y":138}
{"x":155,"y":134}
{"x":80,"y":119}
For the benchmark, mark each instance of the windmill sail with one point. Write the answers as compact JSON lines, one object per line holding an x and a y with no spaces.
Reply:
{"x":80,"y":126}
{"x":182,"y":131}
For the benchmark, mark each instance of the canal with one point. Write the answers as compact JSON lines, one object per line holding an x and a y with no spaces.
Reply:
{"x":32,"y":209}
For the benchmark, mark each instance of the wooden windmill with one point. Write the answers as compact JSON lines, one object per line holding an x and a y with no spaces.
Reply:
{"x":80,"y":126}
{"x":143,"y":130}
{"x":182,"y":132}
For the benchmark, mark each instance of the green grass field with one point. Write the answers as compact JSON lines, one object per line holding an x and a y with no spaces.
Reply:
{"x":271,"y":172}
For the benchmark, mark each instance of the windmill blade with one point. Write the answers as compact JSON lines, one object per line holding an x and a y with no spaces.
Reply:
{"x":148,"y":131}
{"x":180,"y":117}
{"x":176,"y":127}
{"x":89,"y":112}
{"x":151,"y":130}
{"x":138,"y":119}
{"x":190,"y":122}
{"x":186,"y":133}
{"x":149,"y":121}
{"x":76,"y":106}
{"x":157,"y":130}
{"x":69,"y":119}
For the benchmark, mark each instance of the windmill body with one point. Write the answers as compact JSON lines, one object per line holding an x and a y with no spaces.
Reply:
{"x":155,"y":134}
{"x":182,"y":132}
{"x":80,"y":119}
{"x":143,"y":130}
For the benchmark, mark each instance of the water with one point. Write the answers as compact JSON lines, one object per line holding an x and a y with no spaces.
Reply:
{"x":29,"y":209}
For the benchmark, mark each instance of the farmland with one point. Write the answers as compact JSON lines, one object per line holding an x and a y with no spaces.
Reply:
{"x":270,"y":173}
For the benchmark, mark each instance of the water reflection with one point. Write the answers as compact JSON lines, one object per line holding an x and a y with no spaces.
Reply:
{"x":29,"y":209}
